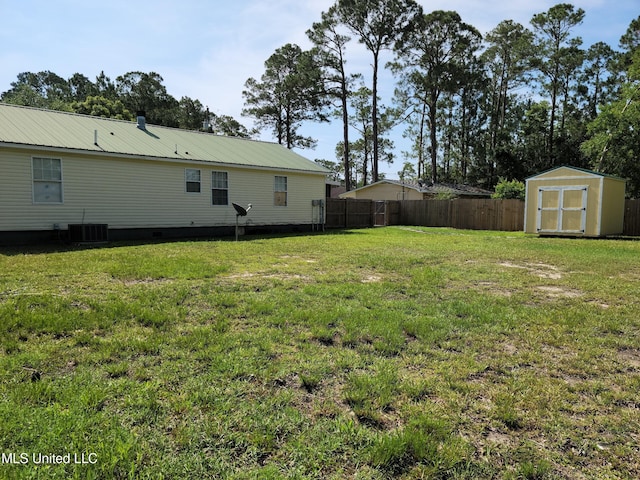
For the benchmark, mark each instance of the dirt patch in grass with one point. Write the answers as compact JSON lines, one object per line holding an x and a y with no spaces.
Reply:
{"x":630,"y":357}
{"x":499,"y":438}
{"x":548,"y":272}
{"x":278,"y":276}
{"x":299,"y":258}
{"x":371,"y":279}
{"x":146,"y":281}
{"x":559,"y":292}
{"x":541,"y":270}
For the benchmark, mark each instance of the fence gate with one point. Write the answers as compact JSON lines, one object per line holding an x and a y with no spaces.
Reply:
{"x":380,"y":218}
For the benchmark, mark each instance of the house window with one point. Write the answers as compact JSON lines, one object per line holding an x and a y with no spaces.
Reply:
{"x":192,"y":180}
{"x":280,"y":192}
{"x":219,"y":188}
{"x":47,"y":180}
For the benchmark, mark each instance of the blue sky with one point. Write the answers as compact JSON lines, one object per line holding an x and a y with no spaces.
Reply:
{"x":207,"y":49}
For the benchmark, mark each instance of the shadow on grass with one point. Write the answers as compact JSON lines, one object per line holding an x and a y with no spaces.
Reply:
{"x":63,"y":246}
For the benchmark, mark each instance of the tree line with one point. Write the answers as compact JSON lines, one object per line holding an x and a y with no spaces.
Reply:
{"x":515,"y":102}
{"x":121,"y":99}
{"x":476,"y":109}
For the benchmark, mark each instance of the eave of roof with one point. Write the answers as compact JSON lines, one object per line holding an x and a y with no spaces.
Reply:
{"x":431,"y":189}
{"x":578,"y":169}
{"x":392,"y":182}
{"x":46,"y":129}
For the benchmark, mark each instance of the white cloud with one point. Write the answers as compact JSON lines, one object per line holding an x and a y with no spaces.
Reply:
{"x":252,"y":33}
{"x":207,"y":50}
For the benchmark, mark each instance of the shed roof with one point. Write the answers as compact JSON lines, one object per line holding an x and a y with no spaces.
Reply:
{"x":567,"y":169}
{"x":26,"y":126}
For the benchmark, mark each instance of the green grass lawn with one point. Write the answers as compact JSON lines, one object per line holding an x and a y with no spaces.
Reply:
{"x":397,"y":352}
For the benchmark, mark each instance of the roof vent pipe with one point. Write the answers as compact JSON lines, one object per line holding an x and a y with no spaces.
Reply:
{"x":141,"y":119}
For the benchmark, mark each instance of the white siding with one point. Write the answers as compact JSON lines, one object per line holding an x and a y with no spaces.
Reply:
{"x":130,"y":193}
{"x":16,"y":191}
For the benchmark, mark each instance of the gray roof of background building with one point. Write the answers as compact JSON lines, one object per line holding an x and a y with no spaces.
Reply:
{"x":435,"y":189}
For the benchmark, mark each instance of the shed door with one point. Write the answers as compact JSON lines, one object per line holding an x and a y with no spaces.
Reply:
{"x":562,"y":209}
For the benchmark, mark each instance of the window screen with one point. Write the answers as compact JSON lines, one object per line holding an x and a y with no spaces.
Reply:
{"x":192,"y":180}
{"x":219,"y":188}
{"x":47,"y":180}
{"x":280,"y":192}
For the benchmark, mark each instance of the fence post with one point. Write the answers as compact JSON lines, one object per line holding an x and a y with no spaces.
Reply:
{"x":346,"y":213}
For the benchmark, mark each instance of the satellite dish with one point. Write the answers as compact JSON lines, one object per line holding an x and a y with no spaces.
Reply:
{"x":240,"y":210}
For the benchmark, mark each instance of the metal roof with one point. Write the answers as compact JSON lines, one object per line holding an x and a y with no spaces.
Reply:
{"x":26,"y":126}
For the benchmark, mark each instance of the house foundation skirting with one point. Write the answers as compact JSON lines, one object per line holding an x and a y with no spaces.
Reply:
{"x":41,"y":237}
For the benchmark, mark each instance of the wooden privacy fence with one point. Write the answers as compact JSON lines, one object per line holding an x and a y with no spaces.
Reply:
{"x":473,"y":214}
{"x":349,"y":213}
{"x":478,"y":214}
{"x":631,"y":218}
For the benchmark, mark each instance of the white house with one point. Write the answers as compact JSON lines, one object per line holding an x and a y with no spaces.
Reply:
{"x":136,"y":180}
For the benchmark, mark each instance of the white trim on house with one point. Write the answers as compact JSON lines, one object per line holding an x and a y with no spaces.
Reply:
{"x":42,"y":181}
{"x":218,"y":188}
{"x":280,"y":200}
{"x":188,"y":181}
